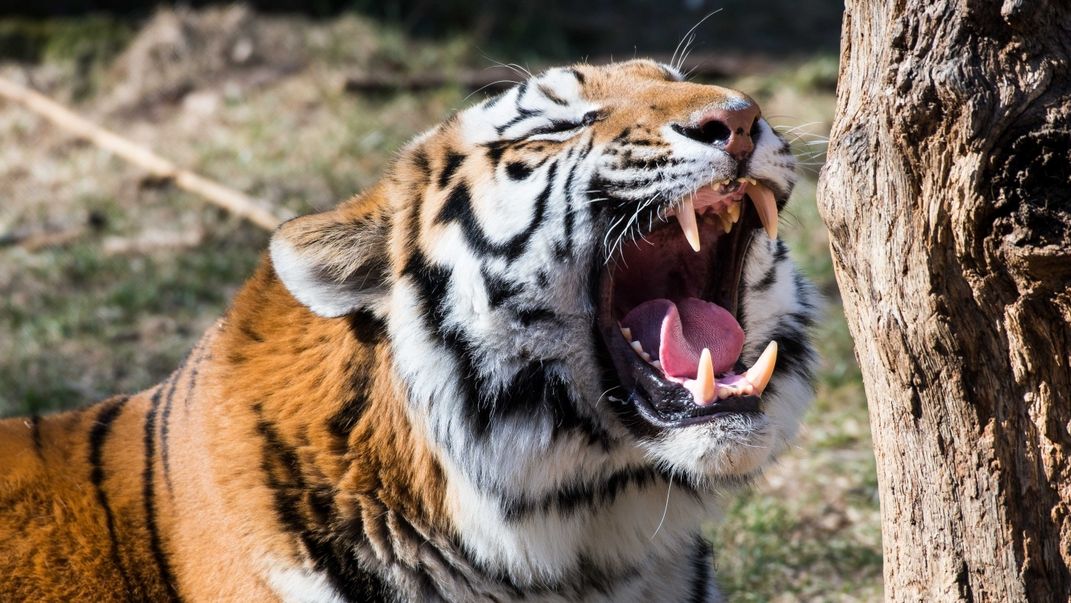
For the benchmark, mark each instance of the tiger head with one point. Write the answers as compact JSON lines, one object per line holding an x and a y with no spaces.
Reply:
{"x":578,"y":275}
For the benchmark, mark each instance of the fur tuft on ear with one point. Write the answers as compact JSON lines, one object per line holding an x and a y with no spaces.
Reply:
{"x":335,"y":262}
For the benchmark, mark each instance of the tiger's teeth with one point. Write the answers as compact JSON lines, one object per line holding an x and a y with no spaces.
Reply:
{"x":726,"y":223}
{"x":734,"y":212}
{"x":657,"y":364}
{"x":705,"y":376}
{"x":638,"y":347}
{"x":686,"y":218}
{"x":759,"y":374}
{"x":766,"y":206}
{"x":627,"y":332}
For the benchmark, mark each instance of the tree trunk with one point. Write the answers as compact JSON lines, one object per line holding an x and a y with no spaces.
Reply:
{"x":947,"y":193}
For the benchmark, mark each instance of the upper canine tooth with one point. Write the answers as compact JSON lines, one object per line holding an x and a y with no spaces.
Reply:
{"x":627,"y":332}
{"x":759,"y":374}
{"x":705,"y":376}
{"x":686,"y":218}
{"x":763,"y":200}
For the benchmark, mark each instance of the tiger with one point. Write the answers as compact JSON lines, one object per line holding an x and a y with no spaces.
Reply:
{"x":529,"y":363}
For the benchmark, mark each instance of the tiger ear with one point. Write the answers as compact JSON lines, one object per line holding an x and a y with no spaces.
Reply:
{"x":335,"y":262}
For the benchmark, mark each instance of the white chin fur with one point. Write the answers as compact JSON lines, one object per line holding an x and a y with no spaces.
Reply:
{"x":737,"y":445}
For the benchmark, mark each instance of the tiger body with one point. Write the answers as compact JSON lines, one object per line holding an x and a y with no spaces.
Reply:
{"x":408,"y":401}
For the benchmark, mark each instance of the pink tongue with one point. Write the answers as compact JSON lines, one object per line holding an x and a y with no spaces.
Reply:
{"x":675,"y":334}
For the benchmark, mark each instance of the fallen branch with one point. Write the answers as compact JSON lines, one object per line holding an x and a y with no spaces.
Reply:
{"x":34,"y":240}
{"x":236,"y":202}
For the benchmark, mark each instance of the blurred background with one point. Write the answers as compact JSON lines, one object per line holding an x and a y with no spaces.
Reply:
{"x":108,"y":277}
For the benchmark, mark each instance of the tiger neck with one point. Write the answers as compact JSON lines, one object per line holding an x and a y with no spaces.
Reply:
{"x":335,"y":423}
{"x":321,"y":396}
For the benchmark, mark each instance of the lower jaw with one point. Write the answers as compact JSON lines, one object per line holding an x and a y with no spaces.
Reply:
{"x":701,"y":415}
{"x":654,"y":400}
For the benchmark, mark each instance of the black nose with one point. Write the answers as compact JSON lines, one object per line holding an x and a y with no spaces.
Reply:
{"x":731,"y":129}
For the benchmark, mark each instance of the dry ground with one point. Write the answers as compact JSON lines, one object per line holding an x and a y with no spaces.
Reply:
{"x":121,"y":274}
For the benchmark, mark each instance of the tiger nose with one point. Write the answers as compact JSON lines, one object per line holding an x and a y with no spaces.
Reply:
{"x":730,"y":127}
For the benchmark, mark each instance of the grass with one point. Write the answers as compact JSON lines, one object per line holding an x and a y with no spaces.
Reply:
{"x":116,"y":308}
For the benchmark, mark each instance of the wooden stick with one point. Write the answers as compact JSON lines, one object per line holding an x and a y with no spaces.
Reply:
{"x":233,"y":201}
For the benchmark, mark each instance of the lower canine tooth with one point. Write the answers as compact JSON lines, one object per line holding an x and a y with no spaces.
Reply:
{"x":686,"y":218}
{"x":705,"y":375}
{"x":759,"y":374}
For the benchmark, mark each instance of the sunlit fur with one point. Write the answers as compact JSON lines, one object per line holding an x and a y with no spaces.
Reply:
{"x":407,"y":401}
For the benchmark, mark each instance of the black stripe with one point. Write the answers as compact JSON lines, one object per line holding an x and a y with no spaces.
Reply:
{"x":648,"y":142}
{"x":450,"y":165}
{"x":780,"y":251}
{"x":533,"y":391}
{"x":369,"y":330}
{"x":565,"y":251}
{"x":165,"y":418}
{"x":551,"y":96}
{"x":102,"y":427}
{"x":495,"y":150}
{"x":35,"y":435}
{"x":766,"y":281}
{"x":629,"y":162}
{"x":330,"y":541}
{"x":518,"y":170}
{"x":522,"y":114}
{"x":148,"y":494}
{"x":573,"y":497}
{"x":416,"y":206}
{"x":794,"y":352}
{"x":528,"y":316}
{"x":498,"y":288}
{"x":702,"y":564}
{"x":579,"y":76}
{"x":458,"y":207}
{"x":420,"y":160}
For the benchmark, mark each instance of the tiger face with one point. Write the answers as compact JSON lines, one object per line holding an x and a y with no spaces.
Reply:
{"x":582,"y":283}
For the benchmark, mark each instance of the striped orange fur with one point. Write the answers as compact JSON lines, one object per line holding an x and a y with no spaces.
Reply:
{"x":407,"y":402}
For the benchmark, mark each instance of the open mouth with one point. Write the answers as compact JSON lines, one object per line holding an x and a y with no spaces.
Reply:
{"x":668,"y":308}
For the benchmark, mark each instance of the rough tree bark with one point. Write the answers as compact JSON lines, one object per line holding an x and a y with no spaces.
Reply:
{"x":947,"y":193}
